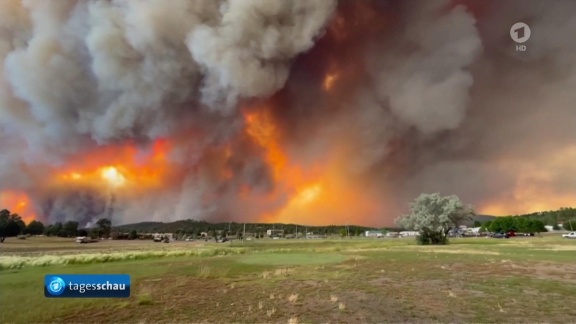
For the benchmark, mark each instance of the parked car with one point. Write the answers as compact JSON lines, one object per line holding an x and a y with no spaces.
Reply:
{"x":569,"y":235}
{"x":500,"y":235}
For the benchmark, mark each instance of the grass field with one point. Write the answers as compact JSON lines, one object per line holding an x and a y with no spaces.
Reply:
{"x":519,"y":280}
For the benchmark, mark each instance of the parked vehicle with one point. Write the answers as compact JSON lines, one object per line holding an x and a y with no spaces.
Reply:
{"x":570,"y":235}
{"x":500,"y":235}
{"x":82,"y":239}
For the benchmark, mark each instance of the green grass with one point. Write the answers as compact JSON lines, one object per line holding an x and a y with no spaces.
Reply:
{"x":291,"y":258}
{"x":392,"y":280}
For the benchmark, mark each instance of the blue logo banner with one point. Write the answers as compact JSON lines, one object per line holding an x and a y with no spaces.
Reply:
{"x":87,"y":285}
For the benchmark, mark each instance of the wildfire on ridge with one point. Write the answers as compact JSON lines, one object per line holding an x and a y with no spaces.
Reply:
{"x":104,"y":168}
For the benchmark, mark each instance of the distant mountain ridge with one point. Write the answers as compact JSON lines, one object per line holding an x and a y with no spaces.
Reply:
{"x":193,"y":226}
{"x":190,"y":226}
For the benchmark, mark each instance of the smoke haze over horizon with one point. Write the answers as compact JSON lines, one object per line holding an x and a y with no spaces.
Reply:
{"x":302,"y":111}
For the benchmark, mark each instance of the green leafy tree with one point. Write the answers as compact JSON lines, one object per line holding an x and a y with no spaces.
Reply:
{"x":485,"y":226}
{"x":10,"y":224}
{"x":53,"y":229}
{"x":70,"y":228}
{"x":536,"y":226}
{"x":433,"y":215}
{"x":570,"y":224}
{"x":4,"y":220}
{"x":94,"y":233}
{"x":105,"y":227}
{"x":35,"y":228}
{"x":503,"y":224}
{"x":133,"y":235}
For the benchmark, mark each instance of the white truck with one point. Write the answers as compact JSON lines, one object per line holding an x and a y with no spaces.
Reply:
{"x":570,"y":235}
{"x":83,"y":239}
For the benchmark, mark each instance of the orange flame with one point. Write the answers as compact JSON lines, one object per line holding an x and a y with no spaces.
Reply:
{"x":115,"y":167}
{"x":18,"y":202}
{"x":318,"y":193}
{"x":259,"y":127}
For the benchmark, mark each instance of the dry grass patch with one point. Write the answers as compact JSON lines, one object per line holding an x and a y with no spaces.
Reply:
{"x":293,"y":298}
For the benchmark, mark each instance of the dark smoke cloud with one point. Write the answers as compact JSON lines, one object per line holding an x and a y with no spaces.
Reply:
{"x":439,"y":101}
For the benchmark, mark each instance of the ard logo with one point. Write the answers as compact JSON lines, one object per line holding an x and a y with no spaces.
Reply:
{"x":520,"y":33}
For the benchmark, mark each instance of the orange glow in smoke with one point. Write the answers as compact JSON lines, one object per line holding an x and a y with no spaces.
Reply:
{"x":259,"y":127}
{"x":534,"y":190}
{"x":17,"y":203}
{"x":113,"y":167}
{"x":112,"y":176}
{"x":317,"y":194}
{"x":329,"y":80}
{"x":116,"y":166}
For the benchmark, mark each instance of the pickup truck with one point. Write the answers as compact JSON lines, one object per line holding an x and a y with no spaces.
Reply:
{"x":569,"y":235}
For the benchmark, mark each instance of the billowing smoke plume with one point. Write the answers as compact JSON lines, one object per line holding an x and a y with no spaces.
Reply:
{"x":305,"y":111}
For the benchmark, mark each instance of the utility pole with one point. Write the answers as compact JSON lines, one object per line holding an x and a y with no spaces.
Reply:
{"x":570,"y":221}
{"x":244,"y":234}
{"x":306,"y":233}
{"x":296,"y":231}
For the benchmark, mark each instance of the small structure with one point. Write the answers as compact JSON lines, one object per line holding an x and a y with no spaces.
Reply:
{"x":275,"y":233}
{"x":409,"y":234}
{"x":376,"y":234}
{"x":160,"y":237}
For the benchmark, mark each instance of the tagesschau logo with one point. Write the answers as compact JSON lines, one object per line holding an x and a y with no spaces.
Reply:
{"x":88,"y":286}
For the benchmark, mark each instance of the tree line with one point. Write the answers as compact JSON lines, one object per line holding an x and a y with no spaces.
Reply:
{"x":563,"y":215}
{"x":533,"y":222}
{"x":511,"y":223}
{"x":13,"y":225}
{"x":194,"y":228}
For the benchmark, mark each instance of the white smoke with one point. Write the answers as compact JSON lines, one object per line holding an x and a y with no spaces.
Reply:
{"x":112,"y":69}
{"x":79,"y":73}
{"x":426,"y":80}
{"x":445,"y":103}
